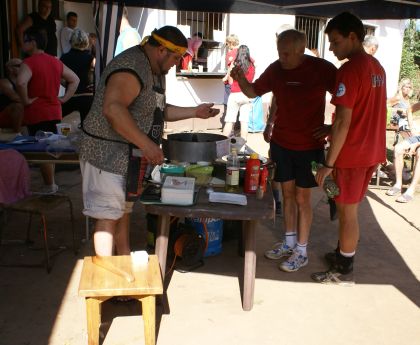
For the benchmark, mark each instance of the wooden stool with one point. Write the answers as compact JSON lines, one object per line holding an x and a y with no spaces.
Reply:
{"x":98,"y":284}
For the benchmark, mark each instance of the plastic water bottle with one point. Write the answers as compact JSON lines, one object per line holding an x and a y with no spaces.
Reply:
{"x":252,"y":174}
{"x":330,"y":187}
{"x":232,"y":172}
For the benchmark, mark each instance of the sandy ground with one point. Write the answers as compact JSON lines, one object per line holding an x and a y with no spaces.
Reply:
{"x":204,"y":306}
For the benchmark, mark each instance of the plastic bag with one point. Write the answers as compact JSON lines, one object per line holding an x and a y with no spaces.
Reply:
{"x":256,"y":116}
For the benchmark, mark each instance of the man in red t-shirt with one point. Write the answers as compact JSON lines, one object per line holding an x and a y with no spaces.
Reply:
{"x":38,"y":84}
{"x":357,"y":137}
{"x":299,"y":83}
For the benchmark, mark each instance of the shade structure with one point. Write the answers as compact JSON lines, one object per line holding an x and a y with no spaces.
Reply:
{"x":365,"y":9}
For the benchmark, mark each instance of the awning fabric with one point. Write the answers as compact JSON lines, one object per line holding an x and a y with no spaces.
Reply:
{"x":107,"y":14}
{"x":365,"y":9}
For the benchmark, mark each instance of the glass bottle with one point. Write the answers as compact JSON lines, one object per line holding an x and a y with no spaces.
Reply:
{"x":232,"y":172}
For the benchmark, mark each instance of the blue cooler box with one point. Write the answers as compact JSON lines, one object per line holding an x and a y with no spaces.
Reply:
{"x":214,"y":228}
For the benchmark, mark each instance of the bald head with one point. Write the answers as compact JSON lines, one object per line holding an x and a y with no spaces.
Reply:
{"x":370,"y":44}
{"x":291,"y":47}
{"x":297,"y":38}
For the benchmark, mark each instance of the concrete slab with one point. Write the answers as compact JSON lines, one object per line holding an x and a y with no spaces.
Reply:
{"x":204,"y":306}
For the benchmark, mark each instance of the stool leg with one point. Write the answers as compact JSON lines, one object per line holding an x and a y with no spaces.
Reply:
{"x":46,"y":249}
{"x":148,"y":304}
{"x":93,"y":313}
{"x":28,"y":230}
{"x":75,"y":247}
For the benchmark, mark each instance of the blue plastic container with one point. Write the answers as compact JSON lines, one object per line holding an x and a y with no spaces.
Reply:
{"x":214,"y":228}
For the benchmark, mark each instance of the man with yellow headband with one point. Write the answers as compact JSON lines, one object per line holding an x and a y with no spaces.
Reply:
{"x":123,"y":130}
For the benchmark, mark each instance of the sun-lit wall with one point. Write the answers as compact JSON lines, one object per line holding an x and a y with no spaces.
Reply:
{"x":258,"y":32}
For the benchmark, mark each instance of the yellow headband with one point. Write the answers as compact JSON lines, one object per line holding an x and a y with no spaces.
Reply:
{"x":169,"y":45}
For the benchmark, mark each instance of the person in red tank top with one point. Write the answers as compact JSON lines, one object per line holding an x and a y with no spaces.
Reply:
{"x":357,"y":137}
{"x":38,"y":84}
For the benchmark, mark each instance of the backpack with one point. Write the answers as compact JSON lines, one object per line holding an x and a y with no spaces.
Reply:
{"x":256,"y":116}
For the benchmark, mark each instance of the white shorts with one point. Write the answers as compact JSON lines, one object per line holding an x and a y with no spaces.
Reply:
{"x":103,"y":193}
{"x":237,"y":101}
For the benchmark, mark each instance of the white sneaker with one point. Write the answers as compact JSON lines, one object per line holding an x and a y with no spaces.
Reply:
{"x":47,"y":190}
{"x":279,"y":250}
{"x":296,"y":261}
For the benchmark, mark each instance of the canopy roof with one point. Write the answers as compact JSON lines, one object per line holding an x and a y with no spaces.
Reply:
{"x":365,"y":9}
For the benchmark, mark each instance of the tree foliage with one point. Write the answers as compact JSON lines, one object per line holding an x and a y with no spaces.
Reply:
{"x":411,"y":55}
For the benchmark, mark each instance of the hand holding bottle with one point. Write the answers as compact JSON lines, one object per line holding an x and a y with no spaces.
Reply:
{"x":325,"y":180}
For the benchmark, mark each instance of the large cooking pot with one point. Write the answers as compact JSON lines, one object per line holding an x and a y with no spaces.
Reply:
{"x":195,"y":147}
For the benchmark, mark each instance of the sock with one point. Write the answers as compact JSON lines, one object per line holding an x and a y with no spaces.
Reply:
{"x":344,"y":263}
{"x":302,"y":248}
{"x":291,"y":238}
{"x":276,"y":195}
{"x":347,"y":255}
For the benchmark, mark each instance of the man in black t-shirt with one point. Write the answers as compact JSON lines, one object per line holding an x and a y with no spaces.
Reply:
{"x":42,"y":20}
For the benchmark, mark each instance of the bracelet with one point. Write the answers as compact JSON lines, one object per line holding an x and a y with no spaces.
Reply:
{"x":328,"y":166}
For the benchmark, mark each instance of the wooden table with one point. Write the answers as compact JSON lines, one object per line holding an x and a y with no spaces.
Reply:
{"x":98,"y":284}
{"x":250,"y":215}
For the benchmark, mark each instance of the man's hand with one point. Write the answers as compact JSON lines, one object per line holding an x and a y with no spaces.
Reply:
{"x":152,"y":152}
{"x":205,"y":111}
{"x":321,"y":132}
{"x":30,"y":101}
{"x":268,"y":131}
{"x":237,"y":73}
{"x":321,"y":174}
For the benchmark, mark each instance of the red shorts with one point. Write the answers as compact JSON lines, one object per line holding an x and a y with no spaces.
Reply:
{"x":353,"y":183}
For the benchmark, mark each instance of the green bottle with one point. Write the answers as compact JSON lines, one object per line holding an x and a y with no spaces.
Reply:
{"x":330,"y":187}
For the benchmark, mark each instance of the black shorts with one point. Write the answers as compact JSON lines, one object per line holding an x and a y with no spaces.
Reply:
{"x":295,"y":165}
{"x":46,"y":126}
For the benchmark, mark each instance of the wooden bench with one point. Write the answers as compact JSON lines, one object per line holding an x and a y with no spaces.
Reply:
{"x":98,"y":284}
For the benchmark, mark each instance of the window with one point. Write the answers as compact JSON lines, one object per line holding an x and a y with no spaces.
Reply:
{"x":370,"y":30}
{"x":204,"y":22}
{"x":314,"y":29}
{"x":211,"y":25}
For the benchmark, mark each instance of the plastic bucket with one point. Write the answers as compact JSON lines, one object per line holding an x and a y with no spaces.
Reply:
{"x":214,"y":227}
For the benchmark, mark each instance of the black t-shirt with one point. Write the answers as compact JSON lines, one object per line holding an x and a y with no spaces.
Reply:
{"x":79,"y":61}
{"x":49,"y":26}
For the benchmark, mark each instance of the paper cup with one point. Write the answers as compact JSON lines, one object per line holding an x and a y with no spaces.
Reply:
{"x":63,"y":128}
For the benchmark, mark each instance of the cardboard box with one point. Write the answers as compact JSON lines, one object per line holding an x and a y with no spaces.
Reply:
{"x":178,"y":190}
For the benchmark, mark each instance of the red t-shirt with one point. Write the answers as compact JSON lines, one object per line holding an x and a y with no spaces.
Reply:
{"x":231,"y":56}
{"x":361,"y":86}
{"x":300,"y":99}
{"x":44,"y":84}
{"x":249,"y":75}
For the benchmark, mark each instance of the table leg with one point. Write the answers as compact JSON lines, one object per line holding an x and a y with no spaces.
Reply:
{"x":93,"y":313}
{"x":249,"y":264}
{"x":148,"y":304}
{"x":161,"y":248}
